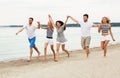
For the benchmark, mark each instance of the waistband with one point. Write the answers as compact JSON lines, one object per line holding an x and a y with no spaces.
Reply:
{"x":49,"y":37}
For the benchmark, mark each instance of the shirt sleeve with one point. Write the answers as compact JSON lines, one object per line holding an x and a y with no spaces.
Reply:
{"x":35,"y":26}
{"x":79,"y":22}
{"x":62,"y":28}
{"x":91,"y":24}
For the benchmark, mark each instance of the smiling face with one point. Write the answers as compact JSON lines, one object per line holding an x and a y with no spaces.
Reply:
{"x":58,"y":24}
{"x":85,"y":17}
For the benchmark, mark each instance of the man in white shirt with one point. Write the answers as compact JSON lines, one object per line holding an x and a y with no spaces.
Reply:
{"x":30,"y":30}
{"x":85,"y":32}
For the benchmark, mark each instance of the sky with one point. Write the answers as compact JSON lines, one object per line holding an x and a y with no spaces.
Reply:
{"x":15,"y":12}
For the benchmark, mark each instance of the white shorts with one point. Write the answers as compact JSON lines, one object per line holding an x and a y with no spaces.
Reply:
{"x":49,"y":41}
{"x":60,"y":43}
{"x":104,"y":38}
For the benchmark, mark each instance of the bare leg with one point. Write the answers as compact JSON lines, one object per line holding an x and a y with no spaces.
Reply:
{"x":102,"y":44}
{"x":105,"y":47}
{"x":87,"y":51}
{"x":36,"y":49}
{"x":63,"y":48}
{"x":45,"y":50}
{"x":31,"y":52}
{"x":52,"y":48}
{"x":57,"y":51}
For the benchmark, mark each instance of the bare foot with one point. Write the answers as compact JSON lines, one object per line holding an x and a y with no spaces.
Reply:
{"x":87,"y":57}
{"x":105,"y":56}
{"x":55,"y":60}
{"x":68,"y":55}
{"x":28,"y":60}
{"x":44,"y":59}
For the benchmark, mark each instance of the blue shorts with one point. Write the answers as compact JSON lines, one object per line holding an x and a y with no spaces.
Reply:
{"x":32,"y":42}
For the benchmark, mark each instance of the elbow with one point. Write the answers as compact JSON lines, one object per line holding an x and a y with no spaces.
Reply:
{"x":39,"y":26}
{"x":110,"y":32}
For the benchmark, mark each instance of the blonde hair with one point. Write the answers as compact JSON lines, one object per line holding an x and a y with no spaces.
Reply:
{"x":107,"y":20}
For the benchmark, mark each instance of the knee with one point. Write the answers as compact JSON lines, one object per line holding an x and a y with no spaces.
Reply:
{"x":31,"y":50}
{"x":105,"y":45}
{"x":52,"y":48}
{"x":86,"y":47}
{"x":102,"y":47}
{"x":63,"y":49}
{"x":57,"y":49}
{"x":45,"y":48}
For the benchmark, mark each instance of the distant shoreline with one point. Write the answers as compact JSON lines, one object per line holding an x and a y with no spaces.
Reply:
{"x":117,"y":24}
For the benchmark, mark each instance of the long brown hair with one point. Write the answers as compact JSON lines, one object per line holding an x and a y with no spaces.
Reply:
{"x":108,"y":20}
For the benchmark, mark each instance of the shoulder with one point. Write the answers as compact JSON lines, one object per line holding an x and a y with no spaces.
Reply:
{"x":62,"y":27}
{"x":100,"y":25}
{"x":34,"y":25}
{"x":90,"y":22}
{"x":55,"y":26}
{"x":109,"y":25}
{"x":80,"y":22}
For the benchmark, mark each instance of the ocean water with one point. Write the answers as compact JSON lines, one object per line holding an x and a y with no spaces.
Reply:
{"x":14,"y":47}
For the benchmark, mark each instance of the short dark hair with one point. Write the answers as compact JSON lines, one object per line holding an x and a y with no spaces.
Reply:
{"x":61,"y":22}
{"x":31,"y":18}
{"x":86,"y":15}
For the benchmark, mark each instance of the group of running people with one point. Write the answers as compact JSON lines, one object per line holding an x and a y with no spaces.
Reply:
{"x":104,"y":28}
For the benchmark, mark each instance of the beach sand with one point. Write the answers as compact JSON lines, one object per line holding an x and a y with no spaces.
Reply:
{"x":77,"y":66}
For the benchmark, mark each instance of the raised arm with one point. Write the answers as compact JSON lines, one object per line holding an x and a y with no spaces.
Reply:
{"x":111,"y":34}
{"x":51,"y":20}
{"x":40,"y":26}
{"x":66,"y":21}
{"x":19,"y":31}
{"x":73,"y":19}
